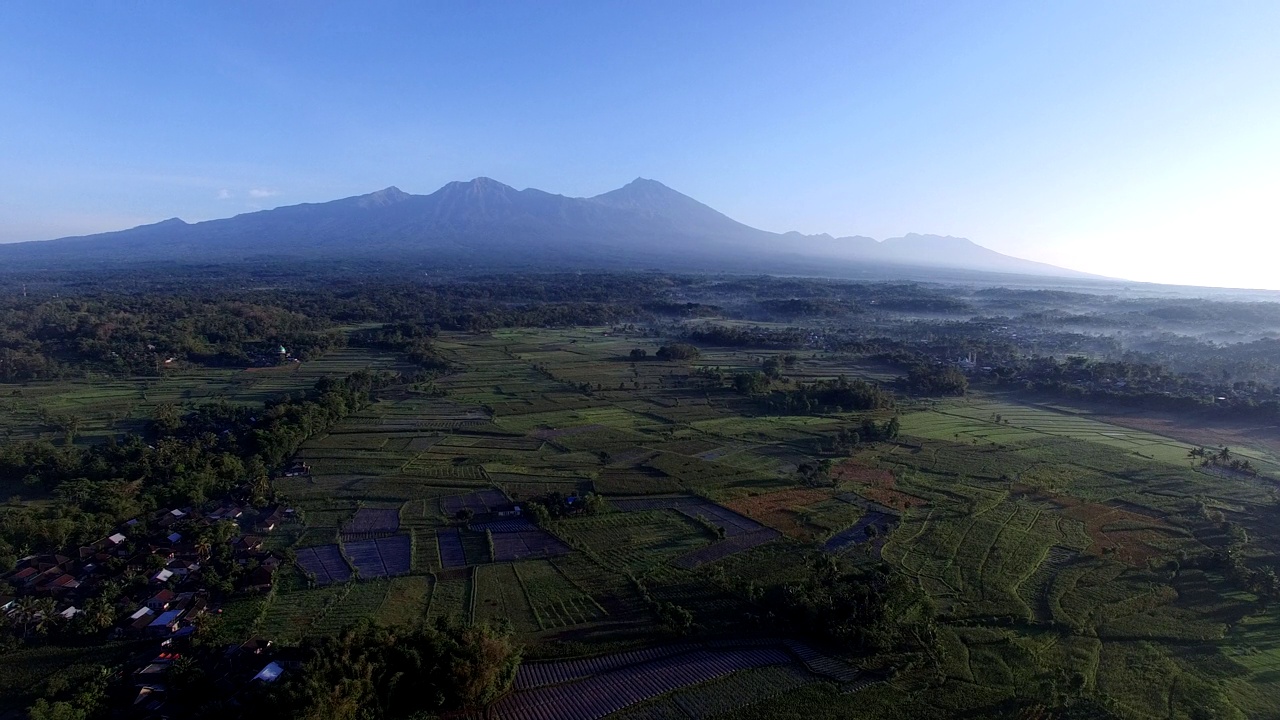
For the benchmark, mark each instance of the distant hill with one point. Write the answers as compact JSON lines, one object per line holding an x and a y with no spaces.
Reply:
{"x":486,"y":223}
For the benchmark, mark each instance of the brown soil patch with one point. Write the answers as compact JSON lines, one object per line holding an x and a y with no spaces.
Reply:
{"x":875,"y":484}
{"x":1114,"y":532}
{"x":892,"y":498}
{"x":854,"y":472}
{"x":781,"y":510}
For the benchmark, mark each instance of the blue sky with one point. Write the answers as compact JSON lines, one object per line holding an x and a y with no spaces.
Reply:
{"x":1135,"y":139}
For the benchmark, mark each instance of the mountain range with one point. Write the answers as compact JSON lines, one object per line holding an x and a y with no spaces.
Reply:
{"x":484,"y":223}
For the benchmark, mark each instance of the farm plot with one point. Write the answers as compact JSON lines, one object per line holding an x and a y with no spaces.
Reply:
{"x":406,"y":600}
{"x":555,"y":672}
{"x":876,"y":484}
{"x":480,"y":502}
{"x":635,"y":481}
{"x":548,"y":433}
{"x":1034,"y":590}
{"x":556,"y":602}
{"x":857,"y":533}
{"x":973,"y":562}
{"x":290,"y":616}
{"x":450,"y":543}
{"x":450,"y":598}
{"x":445,"y":474}
{"x":600,"y":695}
{"x":362,"y":600}
{"x":1127,"y":535}
{"x":475,"y":547}
{"x":1005,"y":423}
{"x":636,"y":541}
{"x":516,"y":542}
{"x":325,"y":563}
{"x":733,"y":523}
{"x":782,"y":510}
{"x":381,"y":557}
{"x":423,"y":443}
{"x":724,"y":548}
{"x":398,"y":488}
{"x":532,"y":486}
{"x":369,"y":523}
{"x":694,"y":472}
{"x":612,"y":591}
{"x":713,"y":699}
{"x":526,"y":544}
{"x":499,"y":595}
{"x":496,"y":442}
{"x":511,"y":525}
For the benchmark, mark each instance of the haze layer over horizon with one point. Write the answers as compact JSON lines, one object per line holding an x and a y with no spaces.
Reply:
{"x":1132,"y":140}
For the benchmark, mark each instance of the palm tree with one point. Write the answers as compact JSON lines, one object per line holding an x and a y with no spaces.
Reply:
{"x":23,"y":615}
{"x":203,"y":547}
{"x":99,"y":613}
{"x":46,"y":615}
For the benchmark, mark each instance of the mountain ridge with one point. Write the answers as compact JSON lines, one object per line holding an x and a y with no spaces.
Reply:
{"x":484,"y":220}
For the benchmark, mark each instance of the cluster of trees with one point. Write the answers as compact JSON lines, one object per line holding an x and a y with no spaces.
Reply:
{"x":747,"y":337}
{"x":1144,"y":384}
{"x":553,"y":506}
{"x":868,"y":609}
{"x":135,"y":334}
{"x":935,"y":379}
{"x":669,"y":353}
{"x":412,"y":340}
{"x":838,"y":395}
{"x":1222,"y":458}
{"x":1229,"y":558}
{"x":848,"y":439}
{"x":380,"y":673}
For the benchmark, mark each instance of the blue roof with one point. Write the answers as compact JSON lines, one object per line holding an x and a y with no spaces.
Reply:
{"x":165,"y":618}
{"x":269,"y":673}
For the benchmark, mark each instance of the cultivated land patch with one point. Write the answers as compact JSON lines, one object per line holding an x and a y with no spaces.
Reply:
{"x":519,"y":540}
{"x":479,"y":502}
{"x":325,"y":563}
{"x":555,"y":600}
{"x":370,"y":523}
{"x":452,"y":554}
{"x":740,"y":532}
{"x":598,"y":696}
{"x":382,"y":557}
{"x":783,"y":510}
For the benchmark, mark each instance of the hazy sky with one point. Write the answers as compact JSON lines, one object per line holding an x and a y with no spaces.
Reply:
{"x":1134,"y":139}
